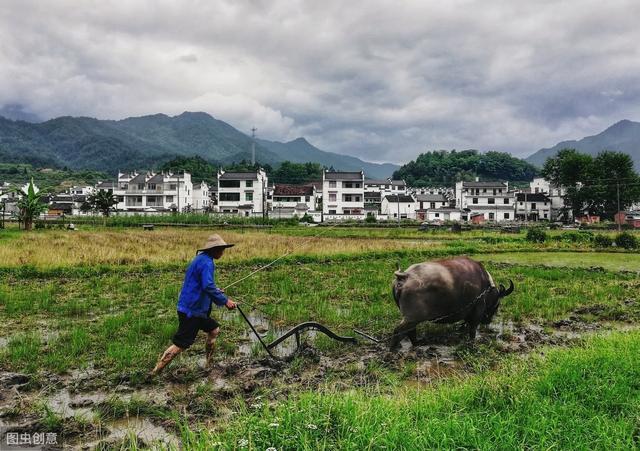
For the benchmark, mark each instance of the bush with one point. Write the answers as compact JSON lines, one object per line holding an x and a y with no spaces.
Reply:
{"x":582,"y":236}
{"x":370,"y":219}
{"x":536,"y":235}
{"x":603,"y":241}
{"x":626,"y":240}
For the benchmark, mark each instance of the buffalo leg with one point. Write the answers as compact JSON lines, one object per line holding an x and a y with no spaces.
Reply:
{"x":413,"y":336}
{"x":404,"y":328}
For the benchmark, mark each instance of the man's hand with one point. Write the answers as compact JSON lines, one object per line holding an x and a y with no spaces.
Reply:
{"x":230,"y":304}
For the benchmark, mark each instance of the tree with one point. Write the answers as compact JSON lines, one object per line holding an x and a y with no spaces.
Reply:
{"x":30,"y":205}
{"x":595,"y":185}
{"x":296,"y":173}
{"x":102,"y":201}
{"x":444,"y":168}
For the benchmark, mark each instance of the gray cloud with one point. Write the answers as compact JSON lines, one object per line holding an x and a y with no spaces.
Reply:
{"x":379,"y":79}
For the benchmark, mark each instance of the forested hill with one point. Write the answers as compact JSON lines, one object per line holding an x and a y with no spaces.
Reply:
{"x":81,"y":143}
{"x":444,"y":168}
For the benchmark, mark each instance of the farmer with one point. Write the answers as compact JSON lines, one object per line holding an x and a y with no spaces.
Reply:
{"x":194,"y":305}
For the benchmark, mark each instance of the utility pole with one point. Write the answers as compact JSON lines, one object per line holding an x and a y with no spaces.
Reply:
{"x":253,"y":146}
{"x":617,"y":213}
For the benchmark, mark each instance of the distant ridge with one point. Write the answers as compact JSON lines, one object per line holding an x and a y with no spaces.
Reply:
{"x":148,"y":141}
{"x":623,"y":136}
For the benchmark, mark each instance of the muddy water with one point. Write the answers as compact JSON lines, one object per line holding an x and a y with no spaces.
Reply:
{"x":248,"y":345}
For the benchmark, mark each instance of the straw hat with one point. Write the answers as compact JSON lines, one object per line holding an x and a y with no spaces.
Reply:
{"x":214,"y":240}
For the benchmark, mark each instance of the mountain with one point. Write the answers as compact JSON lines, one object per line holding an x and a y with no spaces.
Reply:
{"x":300,"y":151}
{"x":623,"y":136}
{"x":148,"y":141}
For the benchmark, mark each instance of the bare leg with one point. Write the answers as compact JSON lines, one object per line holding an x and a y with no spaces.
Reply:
{"x":166,"y":357}
{"x":210,"y":345}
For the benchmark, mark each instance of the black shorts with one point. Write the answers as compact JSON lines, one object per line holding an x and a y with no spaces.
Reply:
{"x":188,"y":329}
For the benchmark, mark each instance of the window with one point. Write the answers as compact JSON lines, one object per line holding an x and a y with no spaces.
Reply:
{"x":229,"y":183}
{"x":357,"y":199}
{"x":506,"y":200}
{"x":432,"y":205}
{"x":140,"y":186}
{"x":332,"y":184}
{"x":533,"y":206}
{"x":475,"y":200}
{"x":506,"y":216}
{"x":484,"y":190}
{"x":491,"y":200}
{"x":152,"y":186}
{"x":173,"y":187}
{"x":347,"y":198}
{"x":492,"y":216}
{"x":230,"y":197}
{"x":248,"y":196}
{"x":249,"y":184}
{"x":307,"y":198}
{"x":332,"y":197}
{"x":437,"y":215}
{"x":332,"y":212}
{"x":494,"y":191}
{"x":169,"y":198}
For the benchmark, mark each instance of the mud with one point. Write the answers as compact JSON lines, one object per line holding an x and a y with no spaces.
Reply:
{"x":80,"y":398}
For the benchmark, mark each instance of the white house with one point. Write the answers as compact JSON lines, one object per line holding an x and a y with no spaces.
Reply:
{"x":533,"y":207}
{"x":386,"y":186}
{"x":401,"y":204}
{"x":444,"y":214}
{"x":429,"y":202}
{"x":243,"y":193}
{"x":293,"y":200}
{"x":201,"y":197}
{"x":492,"y":200}
{"x":343,"y":195}
{"x":555,"y":194}
{"x":150,"y":192}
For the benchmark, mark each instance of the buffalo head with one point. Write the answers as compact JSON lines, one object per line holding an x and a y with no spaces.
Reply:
{"x":492,"y":301}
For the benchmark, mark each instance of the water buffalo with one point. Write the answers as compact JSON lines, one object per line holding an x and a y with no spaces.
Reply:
{"x":445,"y":291}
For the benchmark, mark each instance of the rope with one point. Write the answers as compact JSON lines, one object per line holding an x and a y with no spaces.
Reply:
{"x":289,"y":252}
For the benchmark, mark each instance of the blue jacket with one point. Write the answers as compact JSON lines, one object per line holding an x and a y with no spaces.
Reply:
{"x":199,"y":288}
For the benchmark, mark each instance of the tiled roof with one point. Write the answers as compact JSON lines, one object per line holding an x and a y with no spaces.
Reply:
{"x":343,"y":175}
{"x":239,"y":176}
{"x":403,"y":198}
{"x":373,"y":195}
{"x":107,"y":184}
{"x":385,"y":182}
{"x":484,"y":185}
{"x":431,"y":198}
{"x":533,"y":197}
{"x":296,"y":190}
{"x":158,"y":178}
{"x":140,"y":178}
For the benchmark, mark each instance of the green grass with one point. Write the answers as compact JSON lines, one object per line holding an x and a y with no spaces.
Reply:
{"x":578,"y":398}
{"x":120,"y":320}
{"x":613,"y":261}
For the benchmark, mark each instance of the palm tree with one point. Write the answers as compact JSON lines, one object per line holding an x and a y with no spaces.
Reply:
{"x":30,"y":205}
{"x":102,"y":201}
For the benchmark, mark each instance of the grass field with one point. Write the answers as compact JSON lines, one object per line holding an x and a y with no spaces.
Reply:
{"x":86,"y":313}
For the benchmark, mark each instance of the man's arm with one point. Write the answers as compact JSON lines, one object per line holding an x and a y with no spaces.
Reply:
{"x":208,"y":285}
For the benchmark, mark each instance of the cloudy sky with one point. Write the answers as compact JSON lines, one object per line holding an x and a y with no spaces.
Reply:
{"x":382,"y":80}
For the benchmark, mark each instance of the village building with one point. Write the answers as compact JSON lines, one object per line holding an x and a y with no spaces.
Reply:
{"x":149,"y":192}
{"x":243,"y":193}
{"x":559,"y":210}
{"x":201,"y":197}
{"x":293,"y":200}
{"x":492,"y":200}
{"x":442,"y":214}
{"x":402,"y":205}
{"x":533,"y":207}
{"x":386,"y":186}
{"x":429,"y":202}
{"x":342,"y":195}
